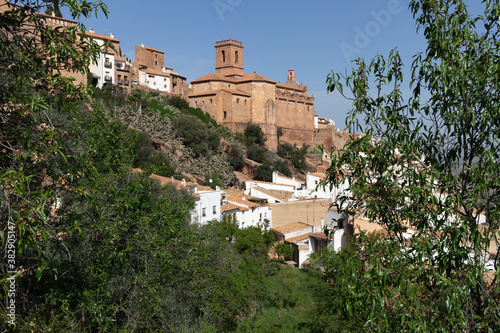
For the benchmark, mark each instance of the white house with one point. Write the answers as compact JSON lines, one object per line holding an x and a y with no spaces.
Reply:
{"x":208,"y":204}
{"x":249,"y":213}
{"x":103,"y":70}
{"x":155,"y":80}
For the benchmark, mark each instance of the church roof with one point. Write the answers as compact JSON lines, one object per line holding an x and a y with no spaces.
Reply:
{"x":215,"y":92}
{"x":290,"y":86}
{"x":233,"y":76}
{"x":255,"y":77}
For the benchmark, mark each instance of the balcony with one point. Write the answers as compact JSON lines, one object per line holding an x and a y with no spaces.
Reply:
{"x":125,"y":83}
{"x":120,"y":82}
{"x":108,"y":64}
{"x":108,"y":78}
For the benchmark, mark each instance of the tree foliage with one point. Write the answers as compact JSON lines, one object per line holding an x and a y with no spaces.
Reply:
{"x":196,"y":135}
{"x":427,"y":171}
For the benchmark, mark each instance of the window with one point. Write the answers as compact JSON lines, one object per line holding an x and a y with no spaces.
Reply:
{"x":214,"y":210}
{"x":203,"y":212}
{"x":156,"y":62}
{"x":156,"y":56}
{"x":236,"y":57}
{"x":210,"y":101}
{"x":237,"y":101}
{"x":225,"y":114}
{"x":223,"y":56}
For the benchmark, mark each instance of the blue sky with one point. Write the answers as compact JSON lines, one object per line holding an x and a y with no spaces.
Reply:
{"x":312,"y":37}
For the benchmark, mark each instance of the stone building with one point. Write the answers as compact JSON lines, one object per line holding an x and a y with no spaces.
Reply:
{"x":234,"y":98}
{"x":149,"y":71}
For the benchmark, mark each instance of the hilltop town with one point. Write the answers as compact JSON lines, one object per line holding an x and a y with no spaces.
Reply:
{"x":136,"y":199}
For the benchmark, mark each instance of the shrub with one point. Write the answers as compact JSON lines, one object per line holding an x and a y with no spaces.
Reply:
{"x":264,"y":172}
{"x":282,"y":167}
{"x":257,"y":153}
{"x":235,"y":158}
{"x":178,"y":102}
{"x":196,"y":135}
{"x":254,"y":135}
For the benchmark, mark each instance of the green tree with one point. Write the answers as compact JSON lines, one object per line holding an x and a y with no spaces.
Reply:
{"x":254,"y":135}
{"x":33,"y":56}
{"x":196,"y":135}
{"x":427,"y":171}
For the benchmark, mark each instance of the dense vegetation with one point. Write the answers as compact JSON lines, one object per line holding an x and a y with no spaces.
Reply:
{"x":98,"y":246}
{"x":427,"y":171}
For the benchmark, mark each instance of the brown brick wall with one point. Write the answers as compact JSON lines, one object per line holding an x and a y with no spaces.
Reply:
{"x":308,"y":211}
{"x":155,"y":60}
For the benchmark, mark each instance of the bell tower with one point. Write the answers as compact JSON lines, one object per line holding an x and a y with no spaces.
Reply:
{"x":228,"y":55}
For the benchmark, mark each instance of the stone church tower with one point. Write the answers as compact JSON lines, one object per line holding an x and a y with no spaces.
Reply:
{"x":228,"y":56}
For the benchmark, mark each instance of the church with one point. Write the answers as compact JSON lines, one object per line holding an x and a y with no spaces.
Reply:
{"x":233,"y":98}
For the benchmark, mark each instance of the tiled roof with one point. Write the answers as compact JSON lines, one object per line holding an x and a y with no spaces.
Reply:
{"x":229,"y":207}
{"x":260,"y":182}
{"x":255,"y":77}
{"x":240,"y":201}
{"x":277,"y":194}
{"x":226,"y":77}
{"x":205,"y":188}
{"x":154,"y":50}
{"x":212,"y":77}
{"x":94,"y":35}
{"x":299,"y":238}
{"x":214,"y":92}
{"x":320,"y":235}
{"x":147,"y":71}
{"x":284,"y":229}
{"x":289,"y":86}
{"x":318,"y":174}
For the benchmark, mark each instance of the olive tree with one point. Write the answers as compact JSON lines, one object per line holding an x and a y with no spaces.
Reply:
{"x":427,"y":171}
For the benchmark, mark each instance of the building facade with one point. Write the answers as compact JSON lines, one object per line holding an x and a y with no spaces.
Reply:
{"x":234,"y":99}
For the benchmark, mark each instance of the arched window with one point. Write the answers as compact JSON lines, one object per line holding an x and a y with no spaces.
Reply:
{"x":223,"y":56}
{"x":236,"y":57}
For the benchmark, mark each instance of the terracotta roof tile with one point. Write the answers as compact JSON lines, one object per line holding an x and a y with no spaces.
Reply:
{"x":255,"y":77}
{"x":229,"y":207}
{"x":240,"y":201}
{"x":215,"y":92}
{"x":289,"y":86}
{"x":299,"y":238}
{"x":284,"y":229}
{"x":147,"y":71}
{"x":94,"y":35}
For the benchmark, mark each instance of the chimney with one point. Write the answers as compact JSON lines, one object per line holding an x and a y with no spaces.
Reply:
{"x":91,"y":30}
{"x":112,"y":35}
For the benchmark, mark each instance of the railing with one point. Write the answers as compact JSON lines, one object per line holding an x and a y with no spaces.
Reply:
{"x":108,"y":64}
{"x":125,"y":83}
{"x":120,"y":82}
{"x":108,"y":78}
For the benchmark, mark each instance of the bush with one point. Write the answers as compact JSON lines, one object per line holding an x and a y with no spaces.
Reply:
{"x":257,"y":153}
{"x":196,"y":135}
{"x":178,"y":102}
{"x":282,"y":167}
{"x":297,"y":156}
{"x":150,"y":159}
{"x":254,"y":135}
{"x":264,"y":172}
{"x":235,"y":158}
